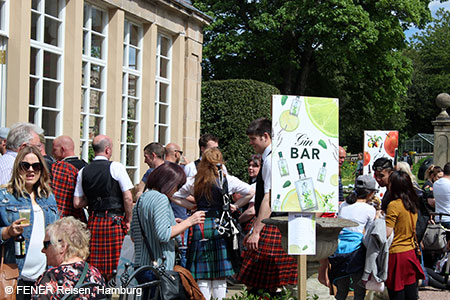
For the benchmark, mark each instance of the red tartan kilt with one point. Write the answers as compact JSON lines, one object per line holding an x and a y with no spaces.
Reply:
{"x":269,"y":266}
{"x":106,"y":242}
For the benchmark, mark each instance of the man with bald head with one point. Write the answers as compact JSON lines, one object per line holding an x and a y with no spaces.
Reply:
{"x":105,"y":187}
{"x":173,"y":153}
{"x":64,"y":177}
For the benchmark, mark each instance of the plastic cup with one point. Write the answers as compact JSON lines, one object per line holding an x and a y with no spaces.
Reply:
{"x":25,"y":213}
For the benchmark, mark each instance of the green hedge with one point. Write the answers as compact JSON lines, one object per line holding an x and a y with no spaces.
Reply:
{"x":227,"y":107}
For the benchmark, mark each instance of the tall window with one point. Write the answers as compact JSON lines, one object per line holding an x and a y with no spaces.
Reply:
{"x":93,"y":86}
{"x":131,"y":99}
{"x":163,"y":86}
{"x":4,"y":21}
{"x":46,"y":66}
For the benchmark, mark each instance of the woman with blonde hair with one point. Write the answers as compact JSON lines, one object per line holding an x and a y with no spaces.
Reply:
{"x":208,"y":256}
{"x":28,"y":190}
{"x":66,"y":246}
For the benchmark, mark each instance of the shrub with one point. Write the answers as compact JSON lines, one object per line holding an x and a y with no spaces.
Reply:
{"x":227,"y":107}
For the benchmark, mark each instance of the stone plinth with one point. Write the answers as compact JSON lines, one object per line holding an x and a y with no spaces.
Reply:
{"x":442,"y":131}
{"x":327,"y":231}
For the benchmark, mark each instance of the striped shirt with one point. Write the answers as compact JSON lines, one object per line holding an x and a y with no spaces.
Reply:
{"x":157,"y":219}
{"x":6,"y":166}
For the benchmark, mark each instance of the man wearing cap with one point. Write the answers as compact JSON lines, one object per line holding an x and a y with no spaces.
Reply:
{"x":383,"y":168}
{"x":3,"y":135}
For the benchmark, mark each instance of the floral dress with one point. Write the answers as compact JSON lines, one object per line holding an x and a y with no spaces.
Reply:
{"x":57,"y":281}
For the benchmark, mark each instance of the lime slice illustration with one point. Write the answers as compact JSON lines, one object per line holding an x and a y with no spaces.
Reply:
{"x":324,"y":114}
{"x":290,"y":201}
{"x":334,"y":180}
{"x":288,"y":122}
{"x":294,"y":249}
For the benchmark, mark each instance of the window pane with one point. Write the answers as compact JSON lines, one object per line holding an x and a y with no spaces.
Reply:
{"x":83,"y":94}
{"x":162,"y":135}
{"x":94,"y":102}
{"x":52,"y":8}
{"x":132,"y":84}
{"x":34,"y":25}
{"x":164,"y":68}
{"x":134,"y":35}
{"x":131,"y":156}
{"x":96,"y":46}
{"x":51,"y":61}
{"x":84,"y":76}
{"x":31,"y":114}
{"x":49,"y":122}
{"x":132,"y":58}
{"x":85,"y":16}
{"x":33,"y":84}
{"x":33,"y":59}
{"x":85,"y":41}
{"x":165,"y":46}
{"x":51,"y":31}
{"x":34,"y":4}
{"x":82,"y":125}
{"x":124,"y":58}
{"x":94,"y":127}
{"x":50,"y":91}
{"x":163,"y":93}
{"x":131,"y":173}
{"x":132,"y":108}
{"x":163,"y":114}
{"x":96,"y":76}
{"x":97,"y":20}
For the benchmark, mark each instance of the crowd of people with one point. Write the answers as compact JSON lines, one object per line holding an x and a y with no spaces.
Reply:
{"x":79,"y":214}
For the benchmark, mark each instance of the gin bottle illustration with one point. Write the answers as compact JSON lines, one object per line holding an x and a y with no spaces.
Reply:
{"x":370,"y":170}
{"x":277,"y":204}
{"x":295,"y":106}
{"x":322,"y":173}
{"x":282,"y":165}
{"x":305,"y":190}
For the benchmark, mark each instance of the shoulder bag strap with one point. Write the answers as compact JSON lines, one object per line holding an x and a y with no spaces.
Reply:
{"x":416,"y":240}
{"x":147,"y":244}
{"x":79,"y":283}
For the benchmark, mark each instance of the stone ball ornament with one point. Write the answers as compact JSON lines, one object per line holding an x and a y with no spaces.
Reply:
{"x":443,"y":102}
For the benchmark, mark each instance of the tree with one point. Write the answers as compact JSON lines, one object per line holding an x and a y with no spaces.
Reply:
{"x":334,"y":48}
{"x":430,"y":54}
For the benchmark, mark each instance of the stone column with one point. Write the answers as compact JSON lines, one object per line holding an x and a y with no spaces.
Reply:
{"x":442,"y":131}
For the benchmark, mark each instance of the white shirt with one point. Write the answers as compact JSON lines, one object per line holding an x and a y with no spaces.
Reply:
{"x":267,"y":168}
{"x":191,"y":170}
{"x":6,"y":166}
{"x":359,"y":212}
{"x":235,"y":185}
{"x":35,"y":261}
{"x":441,"y":191}
{"x":117,"y":171}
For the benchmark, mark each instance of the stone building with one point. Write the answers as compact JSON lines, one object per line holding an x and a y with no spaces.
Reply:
{"x":129,"y":69}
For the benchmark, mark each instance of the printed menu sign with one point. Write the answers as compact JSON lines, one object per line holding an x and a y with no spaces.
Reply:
{"x":305,"y":152}
{"x":302,"y":234}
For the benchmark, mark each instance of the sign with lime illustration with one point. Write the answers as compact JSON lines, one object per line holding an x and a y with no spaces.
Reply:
{"x":378,"y":144}
{"x":301,"y":234}
{"x":305,"y":152}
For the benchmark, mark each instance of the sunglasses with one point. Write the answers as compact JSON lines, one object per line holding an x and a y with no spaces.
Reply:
{"x":25,"y":166}
{"x":179,"y":151}
{"x":47,"y":244}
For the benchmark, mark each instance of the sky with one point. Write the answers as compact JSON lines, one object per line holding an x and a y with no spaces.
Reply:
{"x":434,"y":6}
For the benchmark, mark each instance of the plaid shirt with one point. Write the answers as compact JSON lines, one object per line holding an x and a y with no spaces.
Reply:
{"x":63,"y":185}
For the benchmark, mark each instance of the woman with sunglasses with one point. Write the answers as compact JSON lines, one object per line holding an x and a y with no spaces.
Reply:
{"x":28,"y":189}
{"x":66,"y":246}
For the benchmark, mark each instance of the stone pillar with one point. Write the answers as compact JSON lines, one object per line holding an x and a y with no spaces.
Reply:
{"x":442,"y":131}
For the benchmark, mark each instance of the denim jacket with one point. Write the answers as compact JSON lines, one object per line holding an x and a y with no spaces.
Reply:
{"x":9,"y":212}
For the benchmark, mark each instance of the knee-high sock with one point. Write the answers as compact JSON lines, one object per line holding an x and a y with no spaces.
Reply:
{"x":219,"y":289}
{"x":205,"y":288}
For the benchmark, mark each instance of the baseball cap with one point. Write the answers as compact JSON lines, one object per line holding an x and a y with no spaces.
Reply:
{"x":366,"y":182}
{"x":4,"y":132}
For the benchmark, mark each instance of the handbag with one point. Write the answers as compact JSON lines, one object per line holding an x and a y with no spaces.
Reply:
{"x":434,"y":237}
{"x":171,"y":286}
{"x":8,"y":279}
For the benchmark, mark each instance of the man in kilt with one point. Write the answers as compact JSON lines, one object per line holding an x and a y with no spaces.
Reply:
{"x":105,"y":188}
{"x":265,"y":264}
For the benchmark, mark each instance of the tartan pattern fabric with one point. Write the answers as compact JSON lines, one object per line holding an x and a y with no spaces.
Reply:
{"x":208,"y":259}
{"x":107,"y":234}
{"x":63,"y":185}
{"x":269,"y":266}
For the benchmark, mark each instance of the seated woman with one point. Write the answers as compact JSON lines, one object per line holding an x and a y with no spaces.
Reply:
{"x":348,"y":260}
{"x":66,"y":246}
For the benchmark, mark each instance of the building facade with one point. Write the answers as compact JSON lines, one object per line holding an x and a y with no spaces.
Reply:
{"x":129,"y":69}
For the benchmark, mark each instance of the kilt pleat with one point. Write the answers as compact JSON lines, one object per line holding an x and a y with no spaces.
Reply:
{"x":208,"y":259}
{"x":269,"y":266}
{"x":107,"y":234}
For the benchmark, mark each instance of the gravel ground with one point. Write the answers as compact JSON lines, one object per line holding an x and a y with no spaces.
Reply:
{"x":430,"y":293}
